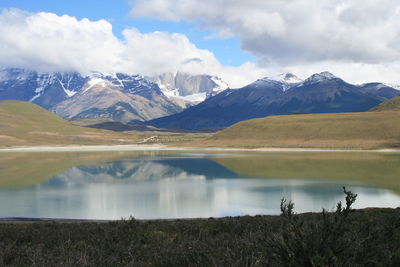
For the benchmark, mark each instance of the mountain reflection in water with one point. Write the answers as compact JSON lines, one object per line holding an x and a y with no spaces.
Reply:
{"x":179,"y":186}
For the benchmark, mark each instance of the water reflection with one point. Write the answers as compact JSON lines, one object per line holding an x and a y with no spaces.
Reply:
{"x":179,"y":186}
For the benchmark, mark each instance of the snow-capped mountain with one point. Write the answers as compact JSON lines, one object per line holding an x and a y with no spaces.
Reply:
{"x":284,"y":80}
{"x":320,"y":93}
{"x":318,"y":78}
{"x":44,"y":89}
{"x":193,"y":88}
{"x":132,"y":84}
{"x":395,"y":86}
{"x":108,"y":98}
{"x":117,"y":96}
{"x":288,"y":80}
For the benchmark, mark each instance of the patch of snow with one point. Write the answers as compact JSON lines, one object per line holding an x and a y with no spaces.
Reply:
{"x":4,"y":75}
{"x":200,"y":97}
{"x":318,"y":77}
{"x":170,"y":93}
{"x":115,"y":76}
{"x":69,"y":93}
{"x":38,"y":92}
{"x":221,"y":85}
{"x":287,"y":78}
{"x":95,"y":81}
{"x":395,"y":86}
{"x":264,"y":82}
{"x":228,"y":93}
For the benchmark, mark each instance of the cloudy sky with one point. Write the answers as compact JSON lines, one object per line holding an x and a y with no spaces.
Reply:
{"x":238,"y":40}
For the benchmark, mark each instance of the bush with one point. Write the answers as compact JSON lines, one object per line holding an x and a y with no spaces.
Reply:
{"x":327,"y":241}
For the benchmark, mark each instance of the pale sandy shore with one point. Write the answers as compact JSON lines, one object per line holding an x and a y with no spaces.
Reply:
{"x":161,"y":147}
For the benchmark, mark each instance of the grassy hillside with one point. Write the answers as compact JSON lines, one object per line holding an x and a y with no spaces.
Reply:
{"x":391,"y":104}
{"x":342,"y":130}
{"x":24,"y":123}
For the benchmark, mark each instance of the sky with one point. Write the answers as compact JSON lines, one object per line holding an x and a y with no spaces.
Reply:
{"x":237,"y":40}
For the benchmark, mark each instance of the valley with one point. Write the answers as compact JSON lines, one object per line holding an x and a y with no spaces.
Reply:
{"x":199,"y":133}
{"x":322,"y":111}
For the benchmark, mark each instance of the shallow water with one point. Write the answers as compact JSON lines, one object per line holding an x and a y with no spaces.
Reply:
{"x":148,"y":185}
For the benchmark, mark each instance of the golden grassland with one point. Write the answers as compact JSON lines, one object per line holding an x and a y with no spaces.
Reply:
{"x":391,"y":104}
{"x":24,"y":123}
{"x":367,"y":130}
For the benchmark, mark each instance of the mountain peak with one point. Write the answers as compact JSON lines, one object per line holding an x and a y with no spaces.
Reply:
{"x":265,"y":81}
{"x":325,"y":75}
{"x":288,"y":77}
{"x":189,"y":87}
{"x":320,"y":77}
{"x":395,"y":86}
{"x":283,"y":80}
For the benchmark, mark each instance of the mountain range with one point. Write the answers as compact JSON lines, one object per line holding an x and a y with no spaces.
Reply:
{"x":118,"y":96}
{"x":320,"y":93}
{"x":167,"y":101}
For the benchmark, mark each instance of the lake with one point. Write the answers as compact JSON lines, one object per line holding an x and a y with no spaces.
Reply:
{"x":187,"y":184}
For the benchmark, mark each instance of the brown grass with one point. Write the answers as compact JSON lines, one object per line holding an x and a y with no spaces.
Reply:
{"x":391,"y":104}
{"x":344,"y":130}
{"x":25,"y":124}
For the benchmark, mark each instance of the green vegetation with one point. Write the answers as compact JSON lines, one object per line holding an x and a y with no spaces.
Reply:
{"x":343,"y":130}
{"x":368,"y":237}
{"x":378,"y":169}
{"x":328,"y":241}
{"x":391,"y":104}
{"x":24,"y":123}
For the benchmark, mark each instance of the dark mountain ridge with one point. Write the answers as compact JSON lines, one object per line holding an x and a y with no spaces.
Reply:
{"x":320,"y":93}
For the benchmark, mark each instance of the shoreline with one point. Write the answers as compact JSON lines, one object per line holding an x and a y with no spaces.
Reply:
{"x":30,"y":220}
{"x":162,"y":147}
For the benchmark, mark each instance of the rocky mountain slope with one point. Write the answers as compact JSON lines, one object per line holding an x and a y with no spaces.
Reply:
{"x":121,"y":98}
{"x":320,"y":93}
{"x":193,"y":88}
{"x":43,"y":89}
{"x":116,"y":96}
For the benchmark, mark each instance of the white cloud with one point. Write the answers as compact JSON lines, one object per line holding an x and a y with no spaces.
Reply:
{"x":358,"y":43}
{"x":352,"y":72}
{"x":294,"y":30}
{"x":48,"y":42}
{"x":345,"y":35}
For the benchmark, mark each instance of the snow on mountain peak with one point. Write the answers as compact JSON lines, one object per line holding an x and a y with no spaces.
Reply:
{"x":220,"y":84}
{"x":325,"y":75}
{"x":288,"y":78}
{"x":395,"y":86}
{"x":96,"y":81}
{"x":194,"y":88}
{"x":264,"y":81}
{"x":285,"y":80}
{"x":319,"y":77}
